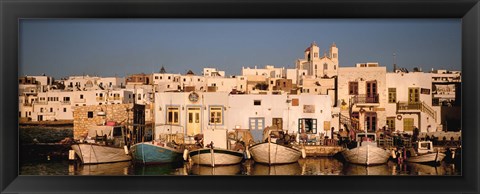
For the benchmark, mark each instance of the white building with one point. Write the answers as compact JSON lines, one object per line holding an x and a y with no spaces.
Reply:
{"x":269,"y":71}
{"x":410,"y":102}
{"x":362,"y":96}
{"x":198,"y":112}
{"x":213,"y":72}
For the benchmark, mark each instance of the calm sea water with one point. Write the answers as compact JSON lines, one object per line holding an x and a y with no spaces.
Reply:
{"x":308,"y":166}
{"x":52,"y":160}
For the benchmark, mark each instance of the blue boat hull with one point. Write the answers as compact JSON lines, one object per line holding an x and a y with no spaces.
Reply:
{"x":148,"y":153}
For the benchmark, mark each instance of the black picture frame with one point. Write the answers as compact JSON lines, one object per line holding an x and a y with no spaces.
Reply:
{"x":11,"y":11}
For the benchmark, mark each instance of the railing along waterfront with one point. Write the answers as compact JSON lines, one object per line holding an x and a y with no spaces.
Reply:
{"x":364,"y":98}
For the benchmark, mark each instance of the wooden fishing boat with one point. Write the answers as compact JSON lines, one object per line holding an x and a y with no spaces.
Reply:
{"x":156,"y":152}
{"x":216,"y":156}
{"x":103,"y":144}
{"x":425,"y":153}
{"x":275,"y":149}
{"x":95,"y":153}
{"x":366,"y":152}
{"x":272,"y":153}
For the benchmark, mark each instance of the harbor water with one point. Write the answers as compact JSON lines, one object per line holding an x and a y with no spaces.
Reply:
{"x":308,"y":166}
{"x":53,"y":160}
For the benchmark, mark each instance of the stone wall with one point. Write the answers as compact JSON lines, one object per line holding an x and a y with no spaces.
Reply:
{"x":119,"y":113}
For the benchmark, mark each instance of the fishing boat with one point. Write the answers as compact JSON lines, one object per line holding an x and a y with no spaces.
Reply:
{"x":425,"y":153}
{"x":103,"y":144}
{"x":275,"y":153}
{"x":367,"y":152}
{"x":156,"y":152}
{"x":272,"y":153}
{"x":212,"y":156}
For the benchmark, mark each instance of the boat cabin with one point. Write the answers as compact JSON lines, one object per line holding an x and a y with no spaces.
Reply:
{"x":424,"y":147}
{"x":366,"y":139}
{"x":105,"y":134}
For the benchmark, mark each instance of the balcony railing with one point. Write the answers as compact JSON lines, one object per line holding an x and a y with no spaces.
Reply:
{"x":65,"y":102}
{"x":417,"y":106}
{"x":364,"y":99}
{"x":409,"y":106}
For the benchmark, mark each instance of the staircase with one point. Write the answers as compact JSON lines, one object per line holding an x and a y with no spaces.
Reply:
{"x":429,"y":110}
{"x":351,"y":124}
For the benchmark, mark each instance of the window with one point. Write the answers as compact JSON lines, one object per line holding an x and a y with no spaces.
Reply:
{"x":81,"y":96}
{"x":391,"y":123}
{"x":408,"y":124}
{"x":413,"y":95}
{"x":392,"y":95}
{"x":64,"y":109}
{"x":334,"y":67}
{"x":66,"y":99}
{"x":216,"y":115}
{"x":257,"y":102}
{"x":353,"y":88}
{"x":325,"y":66}
{"x":41,"y":109}
{"x":173,"y":115}
{"x":308,"y":126}
{"x":51,"y":109}
{"x":335,"y":55}
{"x":90,"y":114}
{"x":156,"y":77}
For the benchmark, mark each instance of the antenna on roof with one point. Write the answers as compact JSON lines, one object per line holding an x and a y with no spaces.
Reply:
{"x":394,"y":62}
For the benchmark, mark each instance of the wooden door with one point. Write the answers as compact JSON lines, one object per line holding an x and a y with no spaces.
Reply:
{"x":277,"y":123}
{"x":371,"y":121}
{"x":256,"y":126}
{"x":193,"y":121}
{"x":371,"y":93}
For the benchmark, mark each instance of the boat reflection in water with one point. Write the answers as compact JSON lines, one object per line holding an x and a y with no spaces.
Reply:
{"x":280,"y":169}
{"x":176,"y":168}
{"x":356,"y":169}
{"x":424,"y":169}
{"x":116,"y":168}
{"x":196,"y":169}
{"x":321,"y":166}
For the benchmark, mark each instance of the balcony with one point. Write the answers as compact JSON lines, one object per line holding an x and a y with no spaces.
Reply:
{"x":409,"y":107}
{"x":405,"y":107}
{"x":366,"y":100}
{"x":65,"y":102}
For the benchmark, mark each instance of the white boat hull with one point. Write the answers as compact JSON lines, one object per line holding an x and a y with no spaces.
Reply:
{"x":215,"y":157}
{"x":96,"y":154}
{"x":271,"y":153}
{"x":425,"y":158}
{"x":366,"y":155}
